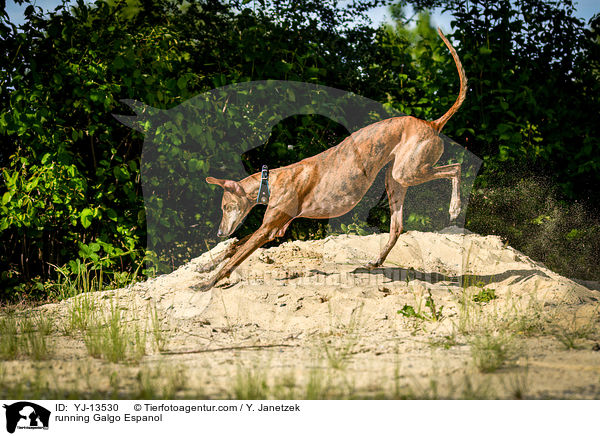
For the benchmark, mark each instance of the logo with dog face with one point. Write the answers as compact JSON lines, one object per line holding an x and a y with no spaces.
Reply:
{"x":26,"y":415}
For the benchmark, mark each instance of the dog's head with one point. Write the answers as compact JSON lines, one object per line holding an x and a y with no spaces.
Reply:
{"x":235,"y":205}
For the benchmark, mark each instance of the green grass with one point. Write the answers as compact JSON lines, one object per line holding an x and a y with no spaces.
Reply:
{"x":285,"y":386}
{"x":25,"y":336}
{"x":489,"y":324}
{"x":327,"y":378}
{"x":154,"y":381}
{"x":528,"y":321}
{"x":37,"y":345}
{"x":491,"y":352}
{"x":489,"y":329}
{"x":160,"y":382}
{"x":9,"y":337}
{"x":250,"y":384}
{"x":446,"y":342}
{"x":471,"y":317}
{"x":80,"y":277}
{"x":317,"y":386}
{"x":340,"y":354}
{"x":114,"y":338}
{"x":318,"y":382}
{"x":158,"y":329}
{"x":109,"y":334}
{"x":511,"y":315}
{"x":572,"y":336}
{"x":517,"y":383}
{"x":339,"y":344}
{"x":81,"y":313}
{"x":472,"y":388}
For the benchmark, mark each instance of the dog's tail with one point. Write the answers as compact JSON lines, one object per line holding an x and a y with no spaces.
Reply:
{"x":441,"y":122}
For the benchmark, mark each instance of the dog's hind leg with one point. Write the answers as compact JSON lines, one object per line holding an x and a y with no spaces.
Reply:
{"x":452,"y":172}
{"x":396,"y":194}
{"x":455,"y":201}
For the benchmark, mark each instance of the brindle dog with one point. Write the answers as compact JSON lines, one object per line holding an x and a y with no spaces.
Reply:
{"x":331,"y":183}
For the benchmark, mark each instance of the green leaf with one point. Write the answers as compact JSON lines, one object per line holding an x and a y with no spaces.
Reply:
{"x":409,"y":312}
{"x":182,"y":82}
{"x":86,"y":217}
{"x":6,"y":197}
{"x":112,"y":215}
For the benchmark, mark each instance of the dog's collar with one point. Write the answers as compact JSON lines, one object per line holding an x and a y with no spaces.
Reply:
{"x":263,"y":191}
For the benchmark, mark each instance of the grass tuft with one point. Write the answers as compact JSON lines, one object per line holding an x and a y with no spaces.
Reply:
{"x":114,"y":338}
{"x":491,"y":352}
{"x":250,"y":384}
{"x":25,"y":336}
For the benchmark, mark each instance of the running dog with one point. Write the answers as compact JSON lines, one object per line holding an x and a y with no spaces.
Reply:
{"x":331,"y":183}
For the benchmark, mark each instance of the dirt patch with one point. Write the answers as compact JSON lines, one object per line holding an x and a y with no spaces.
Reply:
{"x":450,"y":315}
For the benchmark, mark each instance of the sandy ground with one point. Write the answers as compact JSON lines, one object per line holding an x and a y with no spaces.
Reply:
{"x":305,"y":320}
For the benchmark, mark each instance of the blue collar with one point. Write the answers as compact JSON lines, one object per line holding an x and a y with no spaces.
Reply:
{"x":263,"y":191}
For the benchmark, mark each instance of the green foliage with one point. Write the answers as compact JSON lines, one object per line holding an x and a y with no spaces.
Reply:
{"x":435,"y":313}
{"x":485,"y":295}
{"x":409,"y":312}
{"x":533,"y":89}
{"x":356,"y":227}
{"x":71,"y":172}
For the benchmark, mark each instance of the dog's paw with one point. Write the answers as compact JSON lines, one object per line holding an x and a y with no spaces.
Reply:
{"x":454,"y":213}
{"x":372,"y":264}
{"x":203,"y":287}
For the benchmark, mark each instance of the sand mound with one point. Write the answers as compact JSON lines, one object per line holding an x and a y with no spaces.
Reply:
{"x":333,"y":267}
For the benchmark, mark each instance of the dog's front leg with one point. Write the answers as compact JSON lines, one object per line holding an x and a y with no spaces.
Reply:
{"x":271,"y":226}
{"x":227,"y":253}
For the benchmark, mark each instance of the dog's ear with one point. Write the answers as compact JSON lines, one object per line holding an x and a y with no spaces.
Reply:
{"x":214,"y":181}
{"x":228,"y":185}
